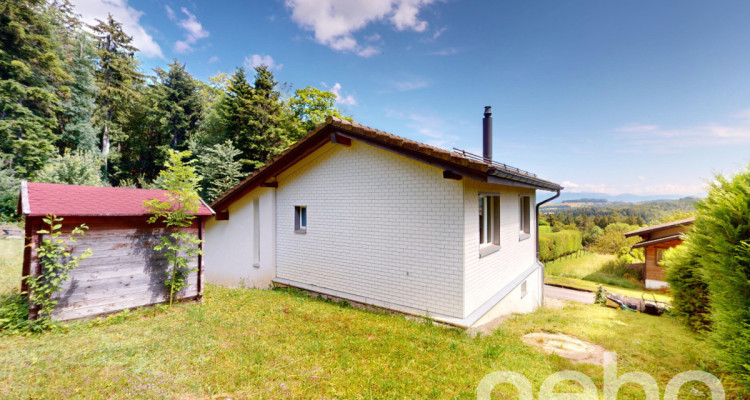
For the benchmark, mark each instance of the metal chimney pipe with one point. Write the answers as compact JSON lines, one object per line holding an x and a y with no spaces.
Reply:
{"x":487,"y":133}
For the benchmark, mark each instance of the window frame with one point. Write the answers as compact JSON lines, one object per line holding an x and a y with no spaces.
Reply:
{"x":489,"y":223}
{"x":299,"y":227}
{"x":524,"y":217}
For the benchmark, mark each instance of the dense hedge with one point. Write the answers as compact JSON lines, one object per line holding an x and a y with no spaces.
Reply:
{"x":720,"y":243}
{"x":688,"y":287}
{"x":554,"y":245}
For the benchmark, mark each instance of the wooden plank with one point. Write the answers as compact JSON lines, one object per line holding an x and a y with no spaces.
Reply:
{"x":69,"y":313}
{"x":104,"y":295}
{"x":113,"y":282}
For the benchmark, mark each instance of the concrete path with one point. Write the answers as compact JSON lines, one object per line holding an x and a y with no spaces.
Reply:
{"x":569,"y":294}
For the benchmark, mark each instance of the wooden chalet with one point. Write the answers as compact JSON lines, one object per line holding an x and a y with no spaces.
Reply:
{"x":124,"y":270}
{"x":656,"y":240}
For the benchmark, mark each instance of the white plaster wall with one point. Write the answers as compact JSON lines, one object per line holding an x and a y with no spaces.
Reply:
{"x":379,"y":226}
{"x":229,"y":258}
{"x":516,"y":302}
{"x":655,"y":284}
{"x":486,"y":276}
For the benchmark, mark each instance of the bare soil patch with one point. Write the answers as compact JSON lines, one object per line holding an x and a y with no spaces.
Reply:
{"x":566,"y":346}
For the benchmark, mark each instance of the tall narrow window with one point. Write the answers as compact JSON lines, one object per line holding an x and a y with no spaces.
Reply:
{"x":489,"y":220}
{"x":525,"y":217}
{"x":300,"y":219}
{"x":256,"y":233}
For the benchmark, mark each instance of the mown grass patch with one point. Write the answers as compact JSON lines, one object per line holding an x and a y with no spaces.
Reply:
{"x":11,"y":258}
{"x":283,"y":344}
{"x":277,"y":344}
{"x":593,"y":286}
{"x":595,"y":267}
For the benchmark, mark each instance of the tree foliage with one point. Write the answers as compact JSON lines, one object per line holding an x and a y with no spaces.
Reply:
{"x":219,"y":169}
{"x":717,"y":253}
{"x":688,"y":287}
{"x":67,"y":91}
{"x":178,"y":212}
{"x":55,"y":258}
{"x":32,"y":80}
{"x":73,"y":168}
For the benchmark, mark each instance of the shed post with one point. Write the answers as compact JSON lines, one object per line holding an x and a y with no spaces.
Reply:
{"x":201,"y":229}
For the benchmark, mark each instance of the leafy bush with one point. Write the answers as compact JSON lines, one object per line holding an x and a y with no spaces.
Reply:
{"x":590,"y":236}
{"x":719,"y":246}
{"x":613,"y":240}
{"x":10,"y":187}
{"x":73,"y":169}
{"x":557,"y":244}
{"x":688,"y":287}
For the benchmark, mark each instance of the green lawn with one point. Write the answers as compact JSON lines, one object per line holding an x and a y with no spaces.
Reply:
{"x":282,"y":344}
{"x":11,"y":257}
{"x":585,"y":273}
{"x":578,"y":267}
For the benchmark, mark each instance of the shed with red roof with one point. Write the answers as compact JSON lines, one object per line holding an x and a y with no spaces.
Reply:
{"x":124,"y":270}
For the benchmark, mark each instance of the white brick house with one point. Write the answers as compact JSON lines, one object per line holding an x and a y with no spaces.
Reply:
{"x":356,"y":213}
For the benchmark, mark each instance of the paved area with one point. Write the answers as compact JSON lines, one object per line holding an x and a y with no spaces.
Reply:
{"x":569,"y":294}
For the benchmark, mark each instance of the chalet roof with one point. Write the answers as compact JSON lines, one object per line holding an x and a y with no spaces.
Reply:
{"x":654,"y":228}
{"x":670,"y":238}
{"x":39,"y":199}
{"x":338,"y":130}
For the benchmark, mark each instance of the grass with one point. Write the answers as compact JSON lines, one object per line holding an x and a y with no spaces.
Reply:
{"x":11,"y":257}
{"x":590,"y":271}
{"x":593,"y":286}
{"x":283,"y":344}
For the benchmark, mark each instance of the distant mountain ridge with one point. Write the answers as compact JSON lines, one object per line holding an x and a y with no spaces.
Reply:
{"x":625,"y":197}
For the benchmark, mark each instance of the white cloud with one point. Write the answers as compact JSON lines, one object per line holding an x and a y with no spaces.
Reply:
{"x":429,"y":125}
{"x":403,"y":86}
{"x":194,"y":30}
{"x":734,"y":132}
{"x":347,"y":100}
{"x":439,"y":32}
{"x":637,"y":128}
{"x":368,"y":51}
{"x":334,"y":22}
{"x":445,"y":52}
{"x":256,"y":60}
{"x":373,"y":38}
{"x":129,"y":17}
{"x":663,"y":189}
{"x":213,"y":59}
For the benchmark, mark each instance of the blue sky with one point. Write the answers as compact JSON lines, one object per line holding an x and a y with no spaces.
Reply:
{"x":644,"y":97}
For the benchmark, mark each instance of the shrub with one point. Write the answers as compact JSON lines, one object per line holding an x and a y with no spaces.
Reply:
{"x":719,"y":243}
{"x":73,"y":169}
{"x":10,"y":187}
{"x":557,"y":244}
{"x":688,"y":287}
{"x":613,"y":240}
{"x":591,"y":235}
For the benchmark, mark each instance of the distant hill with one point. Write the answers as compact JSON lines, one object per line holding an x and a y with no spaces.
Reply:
{"x":625,"y":197}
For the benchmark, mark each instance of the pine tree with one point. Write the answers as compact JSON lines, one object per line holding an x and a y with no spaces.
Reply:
{"x":180,"y":103}
{"x":234,"y":113}
{"x":76,"y":49}
{"x":220,"y":171}
{"x":267,"y":137}
{"x":32,"y":80}
{"x":117,"y":78}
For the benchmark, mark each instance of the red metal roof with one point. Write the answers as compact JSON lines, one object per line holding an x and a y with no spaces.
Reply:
{"x":39,"y":199}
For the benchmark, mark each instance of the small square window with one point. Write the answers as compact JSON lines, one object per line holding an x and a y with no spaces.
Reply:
{"x":300,"y":219}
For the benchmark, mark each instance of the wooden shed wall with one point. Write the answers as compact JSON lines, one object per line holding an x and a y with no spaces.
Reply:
{"x":653,"y":270}
{"x":123,"y":272}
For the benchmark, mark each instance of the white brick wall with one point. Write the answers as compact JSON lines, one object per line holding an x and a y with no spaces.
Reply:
{"x":230,"y":257}
{"x":486,"y":276}
{"x":380,"y":225}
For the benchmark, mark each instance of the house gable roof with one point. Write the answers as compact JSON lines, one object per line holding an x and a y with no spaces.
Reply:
{"x":39,"y":199}
{"x":654,"y":228}
{"x":337,"y":130}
